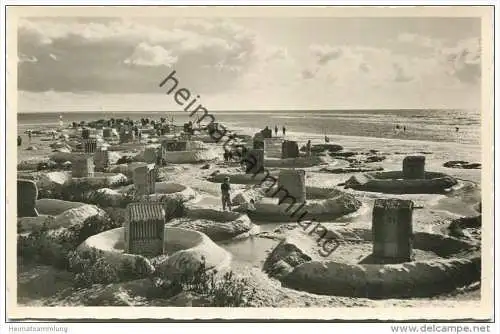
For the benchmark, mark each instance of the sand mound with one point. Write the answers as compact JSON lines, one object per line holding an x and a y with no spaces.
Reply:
{"x":111,"y":244}
{"x":54,"y":207}
{"x":246,"y":195}
{"x":240,"y":178}
{"x":60,"y":233}
{"x":186,"y":249}
{"x":301,"y":162}
{"x":173,"y":196}
{"x":127,"y":169}
{"x":100,"y":180}
{"x":295,"y":263}
{"x":106,"y":197}
{"x":53,"y":180}
{"x":61,"y":157}
{"x":28,"y":224}
{"x":186,"y":157}
{"x":351,"y":169}
{"x":205,"y":215}
{"x":462,"y":164}
{"x":393,"y":183}
{"x":76,"y":216}
{"x":175,"y":189}
{"x":32,"y":164}
{"x":324,"y":147}
{"x":336,"y":205}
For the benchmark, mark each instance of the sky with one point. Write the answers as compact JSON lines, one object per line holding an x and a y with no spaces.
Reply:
{"x":76,"y":64}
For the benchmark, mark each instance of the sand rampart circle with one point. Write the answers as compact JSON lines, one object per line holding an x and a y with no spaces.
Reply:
{"x":185,"y":250}
{"x":393,"y":182}
{"x":458,"y":264}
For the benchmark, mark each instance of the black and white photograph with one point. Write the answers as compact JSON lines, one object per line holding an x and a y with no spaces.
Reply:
{"x":257,"y":162}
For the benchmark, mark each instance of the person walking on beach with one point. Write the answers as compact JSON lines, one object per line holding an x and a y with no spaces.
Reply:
{"x":225,"y":188}
{"x":284,"y":131}
{"x":226,"y":155}
{"x":276,"y":131}
{"x":308,"y":148}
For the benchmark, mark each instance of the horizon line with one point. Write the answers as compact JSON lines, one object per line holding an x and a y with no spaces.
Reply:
{"x":253,"y":110}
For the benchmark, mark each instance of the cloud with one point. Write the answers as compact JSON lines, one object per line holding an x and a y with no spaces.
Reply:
{"x":147,"y":55}
{"x":420,"y":40}
{"x":22,"y":58}
{"x":225,"y":61}
{"x":464,"y":60}
{"x":128,"y":56}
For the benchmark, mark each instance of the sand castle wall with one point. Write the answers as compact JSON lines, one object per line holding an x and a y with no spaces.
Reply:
{"x":186,"y":250}
{"x":393,"y":182}
{"x":459,"y":265}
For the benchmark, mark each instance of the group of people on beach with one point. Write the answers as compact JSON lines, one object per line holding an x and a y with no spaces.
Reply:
{"x":283,"y":129}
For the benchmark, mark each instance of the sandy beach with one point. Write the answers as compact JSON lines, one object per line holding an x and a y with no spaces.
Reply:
{"x":435,"y":213}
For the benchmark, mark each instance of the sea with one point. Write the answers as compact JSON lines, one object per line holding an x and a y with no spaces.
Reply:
{"x":438,"y":125}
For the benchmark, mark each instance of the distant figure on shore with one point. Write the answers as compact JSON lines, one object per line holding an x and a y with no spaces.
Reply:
{"x":327,"y":140}
{"x":276,"y":131}
{"x":308,"y":148}
{"x":19,"y":140}
{"x":404,"y":128}
{"x":225,"y":188}
{"x":29,"y":135}
{"x":284,"y":131}
{"x":456,"y":129}
{"x":227,"y":155}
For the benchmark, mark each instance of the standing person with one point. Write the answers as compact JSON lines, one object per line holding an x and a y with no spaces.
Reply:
{"x":308,"y":148}
{"x":284,"y":131}
{"x":29,"y":135}
{"x":19,"y":140}
{"x":276,"y":131}
{"x":225,"y":188}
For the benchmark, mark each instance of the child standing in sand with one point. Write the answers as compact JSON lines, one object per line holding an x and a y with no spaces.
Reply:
{"x":225,"y":188}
